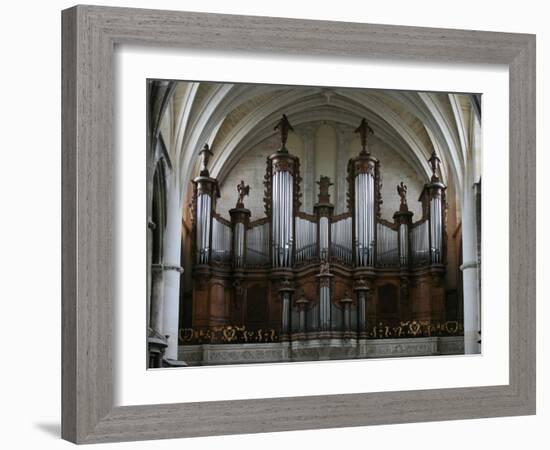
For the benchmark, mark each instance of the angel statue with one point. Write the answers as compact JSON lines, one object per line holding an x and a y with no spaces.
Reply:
{"x":402,"y":191}
{"x":205,"y":154}
{"x":283,"y":126}
{"x":242,"y":190}
{"x":364,"y":130}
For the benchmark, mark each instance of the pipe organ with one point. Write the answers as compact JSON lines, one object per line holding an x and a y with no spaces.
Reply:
{"x":387,"y":251}
{"x":306,"y":240}
{"x":205,"y":194}
{"x":313,"y":276}
{"x":257,"y":245}
{"x":282,"y":210}
{"x":221,"y":241}
{"x":341,"y":243}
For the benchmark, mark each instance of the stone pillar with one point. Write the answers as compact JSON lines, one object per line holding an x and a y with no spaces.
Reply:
{"x":472,"y":323}
{"x":150,"y":227}
{"x":172,"y":269}
{"x":157,"y":298}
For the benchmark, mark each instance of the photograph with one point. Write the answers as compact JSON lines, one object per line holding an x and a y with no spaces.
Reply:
{"x":309,"y":223}
{"x":262,"y":225}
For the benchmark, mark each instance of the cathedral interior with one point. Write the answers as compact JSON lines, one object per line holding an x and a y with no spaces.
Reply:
{"x":292,"y":223}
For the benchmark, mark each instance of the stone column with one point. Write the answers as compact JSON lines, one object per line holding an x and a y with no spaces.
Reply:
{"x":172,"y":269}
{"x":157,"y":298}
{"x":150,"y":227}
{"x":472,"y":323}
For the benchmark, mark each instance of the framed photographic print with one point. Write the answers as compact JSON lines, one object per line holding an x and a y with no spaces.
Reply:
{"x":268,"y":230}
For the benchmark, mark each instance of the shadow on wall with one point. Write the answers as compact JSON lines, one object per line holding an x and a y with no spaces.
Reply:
{"x":53,"y":429}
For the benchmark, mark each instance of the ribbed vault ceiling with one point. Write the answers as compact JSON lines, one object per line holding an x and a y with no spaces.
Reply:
{"x":232,"y":118}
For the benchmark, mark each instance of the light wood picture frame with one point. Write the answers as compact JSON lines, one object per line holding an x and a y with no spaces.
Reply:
{"x":89,"y":36}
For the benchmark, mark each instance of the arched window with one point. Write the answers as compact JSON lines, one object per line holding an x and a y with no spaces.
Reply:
{"x":158,"y":212}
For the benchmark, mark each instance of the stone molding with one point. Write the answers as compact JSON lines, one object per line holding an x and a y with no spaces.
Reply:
{"x":318,"y":350}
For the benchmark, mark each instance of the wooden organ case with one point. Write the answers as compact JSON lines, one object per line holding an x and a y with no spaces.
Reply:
{"x":321,"y":275}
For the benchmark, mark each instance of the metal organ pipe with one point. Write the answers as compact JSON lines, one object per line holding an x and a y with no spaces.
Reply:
{"x":208,"y":222}
{"x":282,"y":217}
{"x":286,"y":313}
{"x":281,"y":241}
{"x":363,"y":206}
{"x":364,"y":213}
{"x":403,"y":244}
{"x":285,"y":214}
{"x":285,"y":224}
{"x":257,"y":245}
{"x":341,"y":242}
{"x":360,"y":227}
{"x":198,"y":235}
{"x":275,"y":218}
{"x":371,"y":219}
{"x":221,"y":241}
{"x":387,"y":246}
{"x":300,"y":235}
{"x":204,"y":213}
{"x":306,"y":240}
{"x":324,"y":312}
{"x":420,"y":243}
{"x":323,"y":235}
{"x":367,"y":220}
{"x":436,"y":229}
{"x":290,"y":217}
{"x":238,"y":250}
